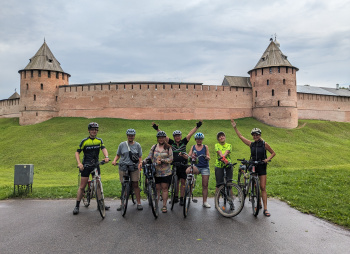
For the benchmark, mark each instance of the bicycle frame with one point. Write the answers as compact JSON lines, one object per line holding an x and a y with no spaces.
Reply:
{"x":229,"y":198}
{"x":94,"y":189}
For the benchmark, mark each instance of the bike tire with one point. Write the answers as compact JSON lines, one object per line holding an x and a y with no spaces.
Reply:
{"x":173,"y":191}
{"x":187,"y":198}
{"x":153,"y":199}
{"x":86,"y":196}
{"x":100,"y":199}
{"x":229,"y":200}
{"x":242,"y":182}
{"x":125,"y":198}
{"x":255,"y":195}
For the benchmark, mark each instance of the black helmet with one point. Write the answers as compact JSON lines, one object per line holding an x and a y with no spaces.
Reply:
{"x":92,"y":125}
{"x":130,"y":132}
{"x":256,"y":131}
{"x":161,"y":134}
{"x":219,"y":134}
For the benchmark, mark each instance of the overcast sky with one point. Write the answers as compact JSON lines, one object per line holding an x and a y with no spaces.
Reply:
{"x":175,"y":41}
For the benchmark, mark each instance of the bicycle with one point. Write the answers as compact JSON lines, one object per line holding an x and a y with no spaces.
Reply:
{"x":150,"y":190}
{"x":243,"y":176}
{"x":190,"y":184}
{"x":173,"y":188}
{"x":252,"y":186}
{"x":229,"y":198}
{"x":94,"y":189}
{"x":127,"y":191}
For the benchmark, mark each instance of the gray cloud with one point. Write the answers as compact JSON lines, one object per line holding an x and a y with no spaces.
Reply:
{"x":198,"y":41}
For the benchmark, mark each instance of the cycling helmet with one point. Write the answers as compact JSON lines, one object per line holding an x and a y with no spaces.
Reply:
{"x":219,"y":134}
{"x":130,"y":132}
{"x":199,"y":135}
{"x":92,"y":125}
{"x":177,"y":132}
{"x":161,"y":134}
{"x":256,"y":131}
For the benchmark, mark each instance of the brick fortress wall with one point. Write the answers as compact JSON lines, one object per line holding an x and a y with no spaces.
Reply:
{"x":9,"y":108}
{"x":154,"y":101}
{"x":324,"y":107}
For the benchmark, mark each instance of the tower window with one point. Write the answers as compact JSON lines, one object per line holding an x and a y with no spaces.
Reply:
{"x":273,"y":92}
{"x":278,"y":103}
{"x":262,"y":71}
{"x":279,"y":69}
{"x":27,"y":86}
{"x":288,"y":92}
{"x":286,"y":69}
{"x":284,"y":81}
{"x":49,"y":74}
{"x":39,"y":73}
{"x":270,"y":70}
{"x":267,"y":82}
{"x":34,"y":97}
{"x":41,"y":86}
{"x":57,"y":75}
{"x":256,"y":93}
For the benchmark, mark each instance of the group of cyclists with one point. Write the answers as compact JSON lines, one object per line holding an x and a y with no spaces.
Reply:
{"x":166,"y":152}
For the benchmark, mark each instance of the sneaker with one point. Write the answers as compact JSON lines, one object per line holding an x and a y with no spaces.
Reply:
{"x":181,"y":201}
{"x":176,"y":200}
{"x":107,"y":207}
{"x":206,"y":205}
{"x":76,"y":210}
{"x":119,"y":208}
{"x":139,"y":207}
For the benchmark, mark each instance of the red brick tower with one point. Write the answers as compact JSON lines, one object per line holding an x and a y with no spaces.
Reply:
{"x":40,"y":80}
{"x":274,"y":89}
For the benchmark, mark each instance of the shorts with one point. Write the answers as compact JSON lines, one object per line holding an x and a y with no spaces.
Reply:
{"x":261,"y":170}
{"x":219,"y":175}
{"x":181,"y":171}
{"x":204,"y":171}
{"x":135,"y":175}
{"x":87,"y":171}
{"x":163,"y":179}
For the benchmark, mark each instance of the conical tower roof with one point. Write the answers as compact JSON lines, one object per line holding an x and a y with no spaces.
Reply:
{"x":273,"y":57}
{"x":14,"y":96}
{"x":44,"y":60}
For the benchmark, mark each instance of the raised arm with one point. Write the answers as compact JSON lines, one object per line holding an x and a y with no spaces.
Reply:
{"x":244,"y":140}
{"x":193,"y":131}
{"x":156,"y":127}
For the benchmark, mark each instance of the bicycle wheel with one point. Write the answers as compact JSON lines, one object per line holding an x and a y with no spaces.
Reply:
{"x":242,"y":182}
{"x":100,"y":199}
{"x":229,"y":200}
{"x":187,"y":198}
{"x":173,"y":191}
{"x":125,"y":197}
{"x":86,"y":196}
{"x":255,"y":195}
{"x":153,"y":199}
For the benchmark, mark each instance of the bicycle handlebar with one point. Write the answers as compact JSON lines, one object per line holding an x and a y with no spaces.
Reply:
{"x":252,"y":162}
{"x":94,"y":164}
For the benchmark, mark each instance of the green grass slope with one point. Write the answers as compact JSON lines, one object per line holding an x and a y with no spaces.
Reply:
{"x":310,"y":171}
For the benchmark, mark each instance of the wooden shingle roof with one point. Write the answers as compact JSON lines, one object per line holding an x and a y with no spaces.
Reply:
{"x":236,"y":81}
{"x":44,"y":60}
{"x":273,"y":57}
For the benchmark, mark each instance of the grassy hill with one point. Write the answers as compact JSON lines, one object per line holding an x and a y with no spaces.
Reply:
{"x":310,"y":171}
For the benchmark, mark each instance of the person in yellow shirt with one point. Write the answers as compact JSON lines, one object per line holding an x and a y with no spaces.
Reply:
{"x":223,"y":151}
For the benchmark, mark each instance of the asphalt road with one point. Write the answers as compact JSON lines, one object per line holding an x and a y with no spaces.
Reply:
{"x":48,"y":226}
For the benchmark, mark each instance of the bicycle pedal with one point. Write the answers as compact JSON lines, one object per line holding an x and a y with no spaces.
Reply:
{"x":194,"y":200}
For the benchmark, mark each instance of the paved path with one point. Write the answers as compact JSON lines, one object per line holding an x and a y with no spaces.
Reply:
{"x":48,"y":226}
